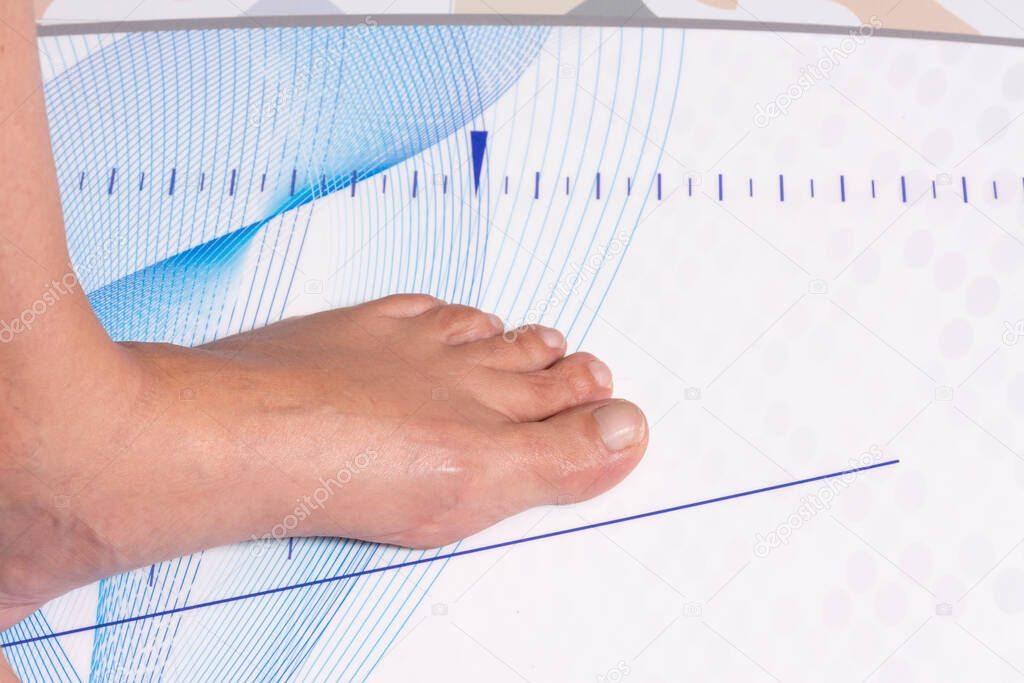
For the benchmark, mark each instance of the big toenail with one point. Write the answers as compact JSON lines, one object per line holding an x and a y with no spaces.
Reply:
{"x":621,"y":425}
{"x":602,"y":375}
{"x":496,"y":321}
{"x":551,"y":338}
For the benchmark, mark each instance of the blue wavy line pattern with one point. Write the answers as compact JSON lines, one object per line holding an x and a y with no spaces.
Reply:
{"x":191,"y":165}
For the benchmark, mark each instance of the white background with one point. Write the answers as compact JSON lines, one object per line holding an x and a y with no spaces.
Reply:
{"x":912,"y":573}
{"x":815,"y":332}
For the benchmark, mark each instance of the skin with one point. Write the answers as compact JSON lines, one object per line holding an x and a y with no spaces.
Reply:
{"x":421,"y":420}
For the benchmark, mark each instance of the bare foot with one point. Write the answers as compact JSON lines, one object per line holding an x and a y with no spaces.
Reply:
{"x":403,"y":421}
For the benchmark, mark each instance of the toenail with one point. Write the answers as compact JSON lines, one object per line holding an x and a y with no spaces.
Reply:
{"x":551,"y":338}
{"x":496,"y":321}
{"x":621,"y":425}
{"x":602,"y":375}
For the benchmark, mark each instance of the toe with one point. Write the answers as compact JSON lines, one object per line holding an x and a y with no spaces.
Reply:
{"x":457,"y":324}
{"x":570,"y":457}
{"x":402,"y":305}
{"x":525,"y":349}
{"x":531,"y":396}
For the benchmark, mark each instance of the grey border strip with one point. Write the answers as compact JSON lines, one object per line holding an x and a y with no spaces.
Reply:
{"x":247,"y":22}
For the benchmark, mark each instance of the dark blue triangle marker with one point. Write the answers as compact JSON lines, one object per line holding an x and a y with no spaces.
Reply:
{"x":478,"y":141}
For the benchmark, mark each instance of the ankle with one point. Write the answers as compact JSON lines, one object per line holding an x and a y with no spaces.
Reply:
{"x":48,"y":548}
{"x":54,"y":535}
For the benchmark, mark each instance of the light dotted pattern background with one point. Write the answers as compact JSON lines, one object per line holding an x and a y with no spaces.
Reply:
{"x":768,"y":342}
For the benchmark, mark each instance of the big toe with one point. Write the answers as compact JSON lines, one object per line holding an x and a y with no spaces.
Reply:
{"x":573,"y":456}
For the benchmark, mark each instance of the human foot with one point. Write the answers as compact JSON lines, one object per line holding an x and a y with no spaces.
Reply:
{"x":403,"y":421}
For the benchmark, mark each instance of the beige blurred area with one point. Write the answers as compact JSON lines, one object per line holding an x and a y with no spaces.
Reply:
{"x":917,"y":15}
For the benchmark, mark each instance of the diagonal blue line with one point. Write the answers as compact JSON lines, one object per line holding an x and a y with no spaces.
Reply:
{"x":458,"y":553}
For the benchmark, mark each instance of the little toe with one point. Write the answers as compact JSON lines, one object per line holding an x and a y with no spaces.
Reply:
{"x":531,"y":396}
{"x":457,"y":324}
{"x":402,"y":305}
{"x":525,"y":349}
